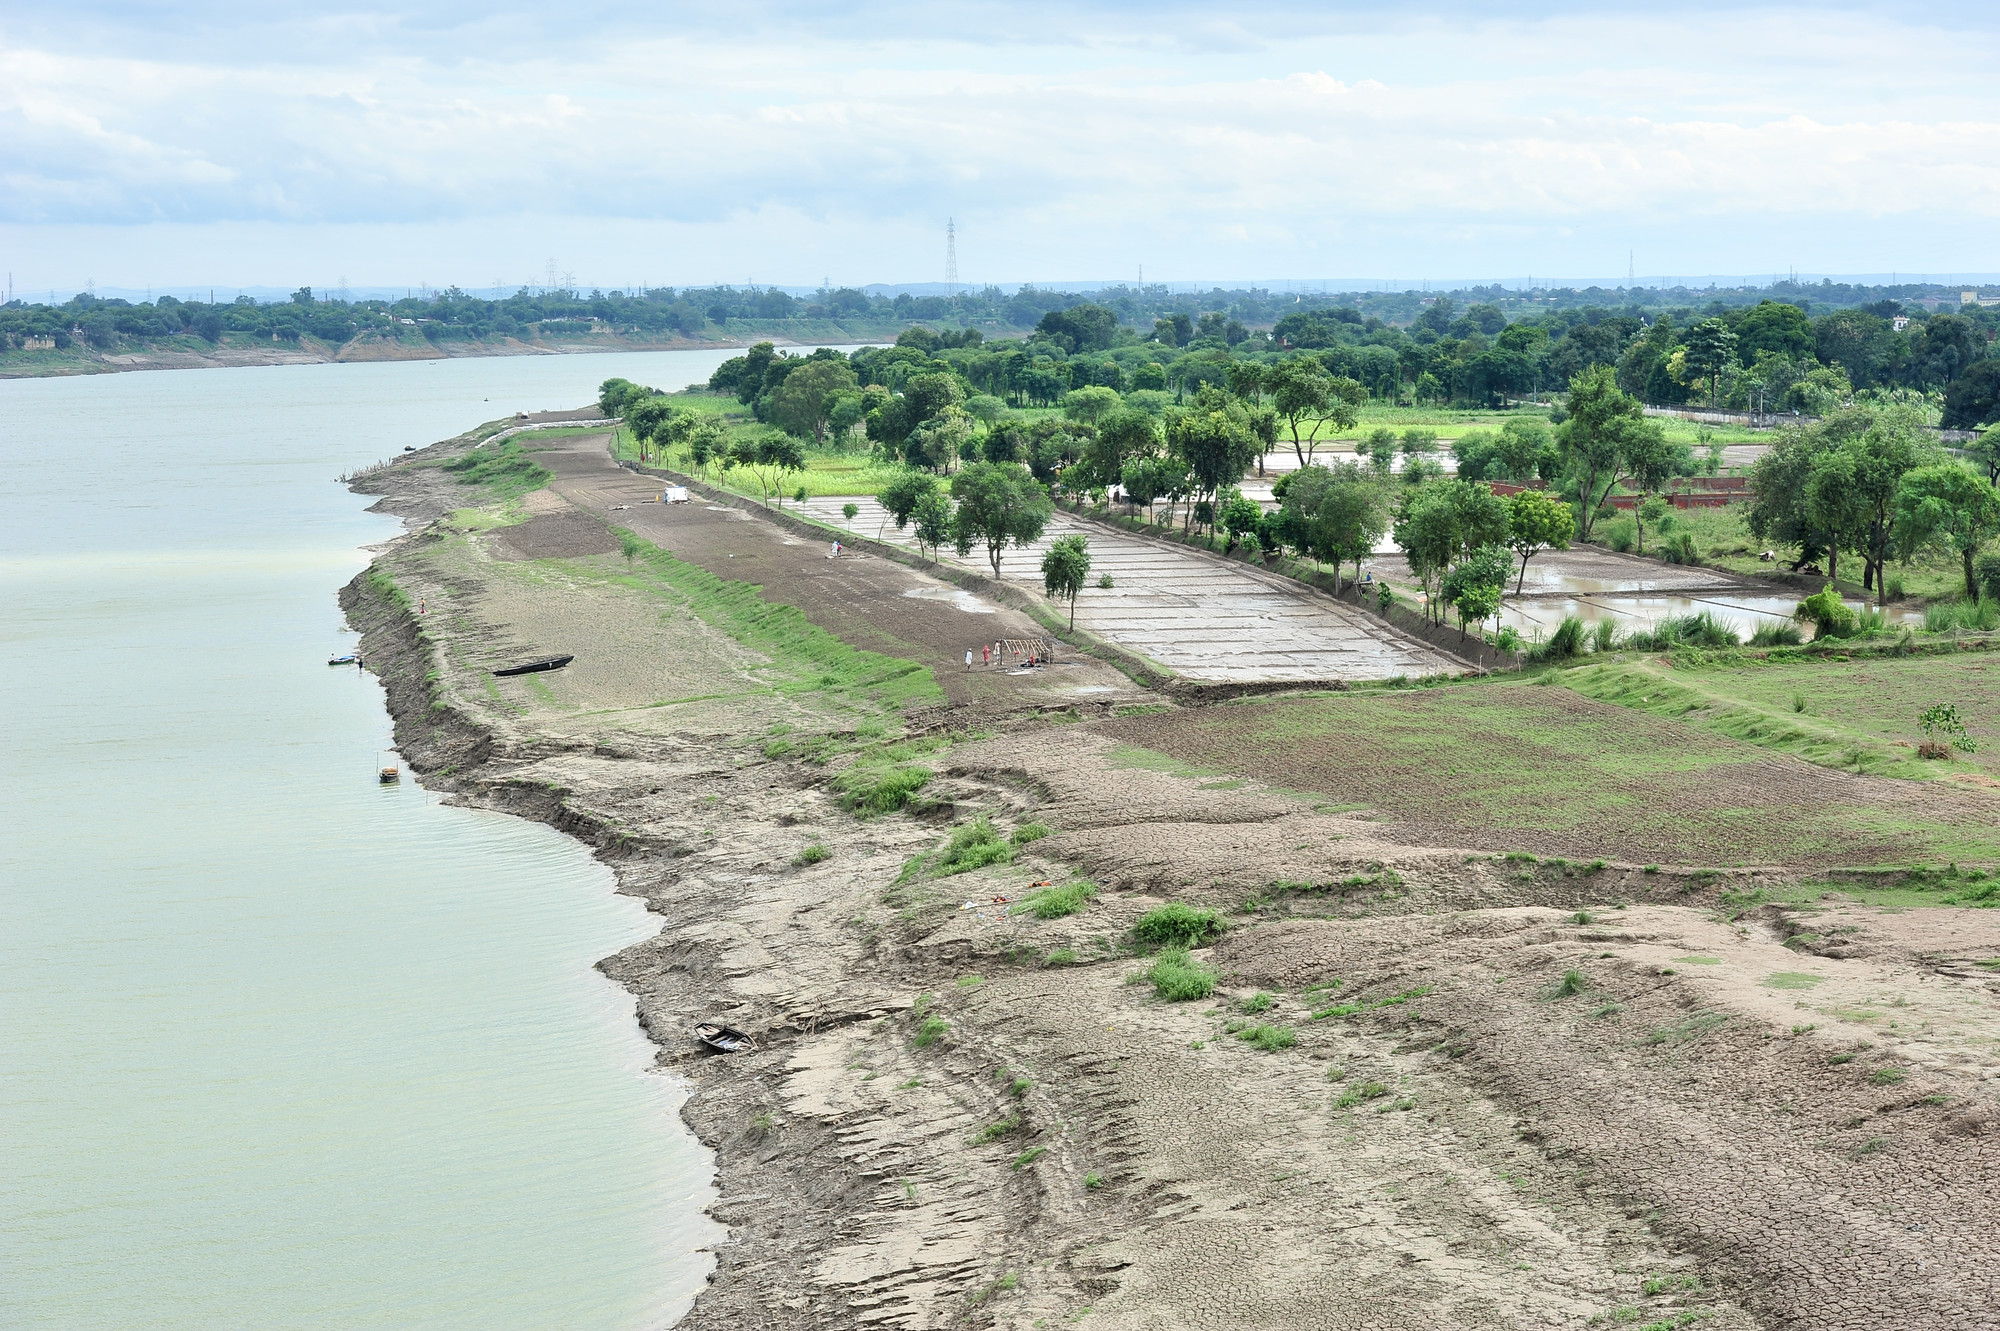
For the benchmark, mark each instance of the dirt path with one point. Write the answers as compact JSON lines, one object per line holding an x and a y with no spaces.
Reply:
{"x":875,"y":604}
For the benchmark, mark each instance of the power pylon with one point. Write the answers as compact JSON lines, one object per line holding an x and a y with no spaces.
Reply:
{"x":951,"y":261}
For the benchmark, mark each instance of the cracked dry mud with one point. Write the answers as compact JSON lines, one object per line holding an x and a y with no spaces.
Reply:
{"x":1771,"y":1121}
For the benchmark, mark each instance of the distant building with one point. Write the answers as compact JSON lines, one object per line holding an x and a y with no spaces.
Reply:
{"x":1900,"y":322}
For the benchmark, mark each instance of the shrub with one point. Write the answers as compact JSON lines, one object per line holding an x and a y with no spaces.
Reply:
{"x":1621,"y":535}
{"x":1987,"y":574}
{"x":1564,"y":643}
{"x":973,"y":846}
{"x":1175,"y":925}
{"x":813,"y":853}
{"x":1052,"y":903}
{"x":1385,"y":597}
{"x":1062,"y":956}
{"x":1701,"y":629}
{"x":1258,"y":1002}
{"x":1093,"y":1180}
{"x":1827,"y":613}
{"x":1508,"y":639}
{"x":1776,"y":635}
{"x":1678,"y":548}
{"x":930,"y":1031}
{"x":877,"y":790}
{"x":1179,"y":978}
{"x":1104,"y":581}
{"x":1604,"y":636}
{"x":1953,"y":616}
{"x":1887,"y":1076}
{"x":1573,"y":982}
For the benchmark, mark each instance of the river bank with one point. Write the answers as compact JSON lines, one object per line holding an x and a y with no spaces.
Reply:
{"x":960,"y":1111}
{"x":236,"y":351}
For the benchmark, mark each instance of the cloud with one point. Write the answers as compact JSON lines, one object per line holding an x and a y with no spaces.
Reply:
{"x":1244,"y":142}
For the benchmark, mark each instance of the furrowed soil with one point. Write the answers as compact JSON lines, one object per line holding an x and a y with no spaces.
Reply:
{"x":1441,"y":1080}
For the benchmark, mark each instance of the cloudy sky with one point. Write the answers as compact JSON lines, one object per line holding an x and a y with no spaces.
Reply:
{"x":444,"y":141}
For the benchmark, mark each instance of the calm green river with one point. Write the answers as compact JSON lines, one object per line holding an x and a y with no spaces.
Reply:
{"x":280,"y":1047}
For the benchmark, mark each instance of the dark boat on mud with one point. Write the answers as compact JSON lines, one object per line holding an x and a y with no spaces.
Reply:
{"x":722,"y":1039}
{"x":537,"y":667}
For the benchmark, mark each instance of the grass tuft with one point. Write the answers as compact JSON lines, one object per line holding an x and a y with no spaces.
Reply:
{"x":1178,"y":926}
{"x":1178,"y":978}
{"x":1052,"y":903}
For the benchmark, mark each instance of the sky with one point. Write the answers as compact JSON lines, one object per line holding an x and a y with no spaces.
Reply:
{"x":440,"y":142}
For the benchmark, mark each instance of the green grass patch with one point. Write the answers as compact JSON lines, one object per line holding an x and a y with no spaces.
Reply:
{"x":871,"y":791}
{"x":1360,"y":1091}
{"x":1178,"y":978}
{"x":1178,"y":926}
{"x":1792,"y":980}
{"x":1270,"y":1039}
{"x":504,"y":472}
{"x":1052,"y":903}
{"x":1548,"y":769}
{"x":973,"y":845}
{"x":801,"y":658}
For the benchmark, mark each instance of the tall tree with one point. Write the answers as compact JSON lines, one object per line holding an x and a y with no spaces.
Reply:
{"x":1213,"y":438}
{"x":998,"y":503}
{"x":802,"y":406}
{"x":1651,"y":461}
{"x":1711,"y":348}
{"x":1301,"y":391}
{"x":1950,"y":506}
{"x":1603,"y":423}
{"x":1064,"y":567}
{"x":1537,"y":521}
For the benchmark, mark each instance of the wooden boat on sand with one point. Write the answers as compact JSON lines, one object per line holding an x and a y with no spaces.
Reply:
{"x":722,"y":1039}
{"x":537,"y":667}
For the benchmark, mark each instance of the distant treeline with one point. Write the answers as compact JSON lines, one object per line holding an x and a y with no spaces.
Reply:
{"x":1774,"y":356}
{"x":1787,"y":348}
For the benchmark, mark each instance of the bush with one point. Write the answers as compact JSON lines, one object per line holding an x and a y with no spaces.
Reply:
{"x":1953,"y":616}
{"x":973,"y":846}
{"x":877,"y":790}
{"x":1679,"y":549}
{"x":1179,"y":978}
{"x":1178,"y":926}
{"x":1827,"y":613}
{"x":1564,"y":643}
{"x":812,"y":854}
{"x":931,"y":1031}
{"x":1776,"y":635}
{"x":1621,"y":535}
{"x":1986,"y":572}
{"x":1701,"y":629}
{"x":1052,"y":903}
{"x":1031,"y":832}
{"x":1605,"y":636}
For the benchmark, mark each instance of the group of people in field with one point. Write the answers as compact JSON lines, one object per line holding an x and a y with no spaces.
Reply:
{"x":1033,"y":652}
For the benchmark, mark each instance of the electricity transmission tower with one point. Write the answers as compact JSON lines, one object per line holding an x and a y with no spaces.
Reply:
{"x":951,"y":261}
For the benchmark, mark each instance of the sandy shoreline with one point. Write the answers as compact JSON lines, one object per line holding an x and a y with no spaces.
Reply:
{"x":1457,"y":1151}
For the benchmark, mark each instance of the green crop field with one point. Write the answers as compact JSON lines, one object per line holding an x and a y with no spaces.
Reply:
{"x":1861,"y":715}
{"x":1504,"y":766}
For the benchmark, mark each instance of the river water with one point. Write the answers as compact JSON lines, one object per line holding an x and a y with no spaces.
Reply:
{"x":280,"y":1047}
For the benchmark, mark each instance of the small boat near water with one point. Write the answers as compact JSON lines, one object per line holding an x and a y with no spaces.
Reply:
{"x":350,"y":659}
{"x":722,"y":1039}
{"x":536,"y":667}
